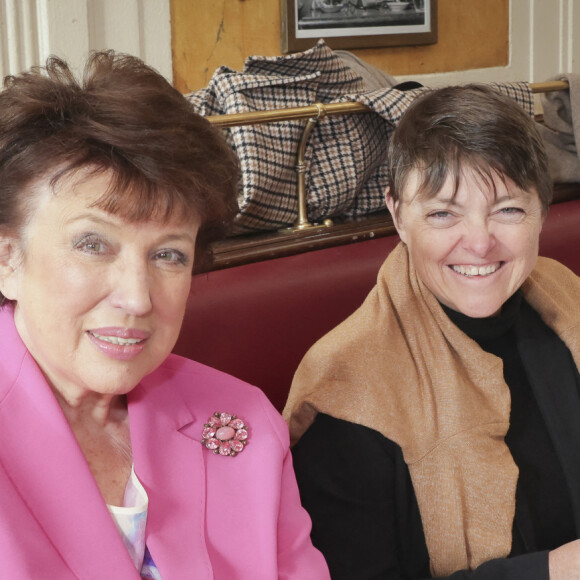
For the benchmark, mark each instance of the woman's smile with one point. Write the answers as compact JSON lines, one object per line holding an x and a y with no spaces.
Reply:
{"x":119,"y":343}
{"x":126,"y":289}
{"x":472,"y":271}
{"x":474,"y":247}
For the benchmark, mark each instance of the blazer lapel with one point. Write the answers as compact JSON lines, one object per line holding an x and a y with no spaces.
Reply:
{"x":167,"y":451}
{"x":45,"y":464}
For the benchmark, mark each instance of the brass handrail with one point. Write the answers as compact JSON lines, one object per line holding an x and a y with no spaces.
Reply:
{"x":313,"y":113}
{"x":302,"y":222}
{"x":308,"y":111}
{"x":549,"y":86}
{"x":289,"y":114}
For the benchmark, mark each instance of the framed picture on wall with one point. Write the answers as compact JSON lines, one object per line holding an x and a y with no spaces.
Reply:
{"x":348,"y":24}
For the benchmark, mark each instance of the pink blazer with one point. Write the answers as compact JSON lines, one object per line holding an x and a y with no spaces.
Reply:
{"x":210,"y":516}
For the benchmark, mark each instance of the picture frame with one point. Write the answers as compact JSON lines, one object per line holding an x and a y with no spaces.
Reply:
{"x":348,"y":24}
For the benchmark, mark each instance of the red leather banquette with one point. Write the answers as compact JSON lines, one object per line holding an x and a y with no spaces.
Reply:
{"x":256,"y":320}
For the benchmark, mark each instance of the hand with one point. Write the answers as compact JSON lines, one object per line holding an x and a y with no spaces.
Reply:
{"x":564,"y":562}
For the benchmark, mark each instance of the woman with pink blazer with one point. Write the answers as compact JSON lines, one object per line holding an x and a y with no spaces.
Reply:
{"x":118,"y":459}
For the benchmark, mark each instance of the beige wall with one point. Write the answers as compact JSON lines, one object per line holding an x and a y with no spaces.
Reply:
{"x":206,"y":34}
{"x":542,"y":37}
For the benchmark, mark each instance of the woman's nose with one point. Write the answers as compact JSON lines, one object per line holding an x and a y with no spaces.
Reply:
{"x":131,"y":289}
{"x":478,"y":239}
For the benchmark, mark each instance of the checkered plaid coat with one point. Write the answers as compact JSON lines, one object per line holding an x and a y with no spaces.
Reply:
{"x":346,"y":154}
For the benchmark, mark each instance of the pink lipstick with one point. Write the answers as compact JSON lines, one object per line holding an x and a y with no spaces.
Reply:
{"x":119,"y":343}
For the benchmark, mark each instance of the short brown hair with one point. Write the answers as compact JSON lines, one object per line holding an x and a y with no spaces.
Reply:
{"x":123,"y":118}
{"x":472,"y":125}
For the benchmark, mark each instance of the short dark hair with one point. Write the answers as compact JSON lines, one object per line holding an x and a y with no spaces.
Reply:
{"x":123,"y":118}
{"x":472,"y":125}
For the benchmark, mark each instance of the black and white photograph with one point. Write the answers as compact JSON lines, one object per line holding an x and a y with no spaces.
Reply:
{"x":350,"y":24}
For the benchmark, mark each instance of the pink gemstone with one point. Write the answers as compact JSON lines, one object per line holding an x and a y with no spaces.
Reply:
{"x":241,"y":435}
{"x":212,"y":443}
{"x":237,"y":446}
{"x":225,"y":418}
{"x":208,"y":433}
{"x":225,"y":433}
{"x":237,"y":424}
{"x":214,"y":421}
{"x":225,"y":449}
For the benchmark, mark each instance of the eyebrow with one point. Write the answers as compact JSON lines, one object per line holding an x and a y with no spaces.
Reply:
{"x":178,"y":237}
{"x":89,"y":217}
{"x":185,"y":236}
{"x":498,"y":200}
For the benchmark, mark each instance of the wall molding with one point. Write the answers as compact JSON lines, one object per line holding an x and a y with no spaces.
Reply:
{"x":31,"y":30}
{"x":542,"y":45}
{"x":542,"y":42}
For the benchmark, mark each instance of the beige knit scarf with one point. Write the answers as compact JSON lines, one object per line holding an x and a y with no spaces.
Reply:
{"x":400,"y":366}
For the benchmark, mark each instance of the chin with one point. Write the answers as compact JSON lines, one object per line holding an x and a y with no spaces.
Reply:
{"x":480,"y":310}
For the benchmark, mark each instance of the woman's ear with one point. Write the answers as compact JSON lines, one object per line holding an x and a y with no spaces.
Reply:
{"x":394,"y":209}
{"x":9,"y":267}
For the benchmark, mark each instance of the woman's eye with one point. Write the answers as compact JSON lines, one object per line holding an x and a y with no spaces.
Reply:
{"x":512,"y":210}
{"x":91,"y":245}
{"x":442,"y":218}
{"x":171,"y":257}
{"x":442,"y":214}
{"x":512,"y":214}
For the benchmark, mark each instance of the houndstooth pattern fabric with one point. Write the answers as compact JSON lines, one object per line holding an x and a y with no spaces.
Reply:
{"x":346,"y":154}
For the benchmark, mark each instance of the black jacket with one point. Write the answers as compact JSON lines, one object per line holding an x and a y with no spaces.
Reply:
{"x":357,"y":488}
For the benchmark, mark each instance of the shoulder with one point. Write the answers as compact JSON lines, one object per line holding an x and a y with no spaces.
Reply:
{"x":181,"y":370}
{"x":552,"y":276}
{"x":553,"y":290}
{"x":550,"y":269}
{"x":347,"y":440}
{"x":205,"y":390}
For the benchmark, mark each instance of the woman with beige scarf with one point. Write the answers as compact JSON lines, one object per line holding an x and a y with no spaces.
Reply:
{"x":436,"y":430}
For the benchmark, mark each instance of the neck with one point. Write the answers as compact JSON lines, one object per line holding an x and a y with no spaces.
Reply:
{"x":101,"y":427}
{"x":95,"y":408}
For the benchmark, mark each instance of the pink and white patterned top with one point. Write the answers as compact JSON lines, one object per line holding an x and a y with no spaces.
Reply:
{"x":131,"y":520}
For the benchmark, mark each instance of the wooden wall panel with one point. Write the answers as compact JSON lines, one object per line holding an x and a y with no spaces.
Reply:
{"x":209,"y":33}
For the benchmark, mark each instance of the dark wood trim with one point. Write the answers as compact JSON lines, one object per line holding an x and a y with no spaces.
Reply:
{"x":266,"y":246}
{"x":240,"y":250}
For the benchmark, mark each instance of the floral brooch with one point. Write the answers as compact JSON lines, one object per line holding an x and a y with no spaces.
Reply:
{"x":224,"y":434}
